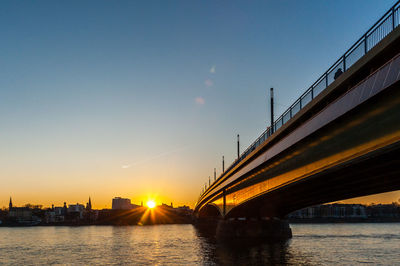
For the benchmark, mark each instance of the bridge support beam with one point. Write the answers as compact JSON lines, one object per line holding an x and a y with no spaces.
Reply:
{"x":266,"y":229}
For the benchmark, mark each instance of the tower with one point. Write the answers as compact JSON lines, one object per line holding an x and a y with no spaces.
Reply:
{"x":10,"y":205}
{"x":89,"y":205}
{"x":64,"y":211}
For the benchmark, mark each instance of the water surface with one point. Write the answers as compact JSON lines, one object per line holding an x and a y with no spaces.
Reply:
{"x":312,"y":244}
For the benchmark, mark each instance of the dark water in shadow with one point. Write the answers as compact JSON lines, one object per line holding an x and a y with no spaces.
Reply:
{"x":324,"y":244}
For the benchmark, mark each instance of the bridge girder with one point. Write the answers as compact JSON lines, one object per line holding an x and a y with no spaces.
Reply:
{"x":366,"y":137}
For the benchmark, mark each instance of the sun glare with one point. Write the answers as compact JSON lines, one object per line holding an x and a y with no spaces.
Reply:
{"x":151,"y":204}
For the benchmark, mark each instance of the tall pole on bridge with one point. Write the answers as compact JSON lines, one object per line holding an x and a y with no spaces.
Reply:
{"x":209,"y":181}
{"x":215,"y":174}
{"x":223,"y":164}
{"x":238,"y":146}
{"x":272,"y":110}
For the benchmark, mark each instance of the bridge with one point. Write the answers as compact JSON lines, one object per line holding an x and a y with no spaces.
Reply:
{"x":339,"y":140}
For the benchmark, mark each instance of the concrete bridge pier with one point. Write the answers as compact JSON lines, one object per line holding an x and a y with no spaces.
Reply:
{"x":273,"y":229}
{"x":207,"y":226}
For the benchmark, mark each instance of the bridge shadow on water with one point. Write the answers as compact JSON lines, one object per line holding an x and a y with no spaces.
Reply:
{"x":243,"y":251}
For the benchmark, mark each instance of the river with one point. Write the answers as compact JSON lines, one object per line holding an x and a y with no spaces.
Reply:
{"x":312,"y":244}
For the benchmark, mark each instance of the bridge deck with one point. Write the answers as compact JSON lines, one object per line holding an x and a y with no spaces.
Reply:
{"x":312,"y":118}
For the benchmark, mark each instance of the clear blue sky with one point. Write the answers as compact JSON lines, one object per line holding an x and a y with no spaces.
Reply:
{"x":141,"y":99}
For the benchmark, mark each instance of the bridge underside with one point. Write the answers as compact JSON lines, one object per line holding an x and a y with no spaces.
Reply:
{"x":359,"y":155}
{"x":373,"y":173}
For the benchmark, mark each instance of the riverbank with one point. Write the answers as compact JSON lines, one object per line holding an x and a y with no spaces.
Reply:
{"x":344,"y":220}
{"x":137,"y":216}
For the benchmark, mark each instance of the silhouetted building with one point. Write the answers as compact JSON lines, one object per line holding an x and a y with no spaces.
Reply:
{"x":20,"y":213}
{"x":384,"y":210}
{"x":50,"y":216}
{"x":76,"y":207}
{"x":24,"y":215}
{"x":184,"y":210}
{"x":76,"y":210}
{"x":331,"y":211}
{"x":89,"y":205}
{"x":59,"y":211}
{"x":56,"y":214}
{"x":166,"y":206}
{"x":119,"y":203}
{"x":3,"y":215}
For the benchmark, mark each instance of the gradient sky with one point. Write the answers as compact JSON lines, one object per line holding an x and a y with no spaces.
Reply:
{"x":142,"y":99}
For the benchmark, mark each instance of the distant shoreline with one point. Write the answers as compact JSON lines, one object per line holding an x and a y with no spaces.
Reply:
{"x":82,"y":225}
{"x":341,"y":220}
{"x":291,"y":221}
{"x":15,"y":224}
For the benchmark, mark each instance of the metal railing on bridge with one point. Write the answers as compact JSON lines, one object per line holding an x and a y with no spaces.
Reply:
{"x":385,"y":25}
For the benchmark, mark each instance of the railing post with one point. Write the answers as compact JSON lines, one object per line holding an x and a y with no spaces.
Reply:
{"x":365,"y":44}
{"x":393,"y":17}
{"x":224,"y":202}
{"x":272,"y":110}
{"x":312,"y":92}
{"x":238,"y":146}
{"x":326,"y":79}
{"x":344,"y":63}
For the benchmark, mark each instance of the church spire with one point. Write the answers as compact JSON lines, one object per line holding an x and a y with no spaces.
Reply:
{"x":89,"y":205}
{"x":10,"y":205}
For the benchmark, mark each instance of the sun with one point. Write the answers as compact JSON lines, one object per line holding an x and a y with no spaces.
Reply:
{"x":151,"y":204}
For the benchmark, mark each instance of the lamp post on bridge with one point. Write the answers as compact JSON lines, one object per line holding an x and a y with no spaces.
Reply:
{"x":215,"y":174}
{"x":238,"y":146}
{"x":223,"y":164}
{"x":272,"y":110}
